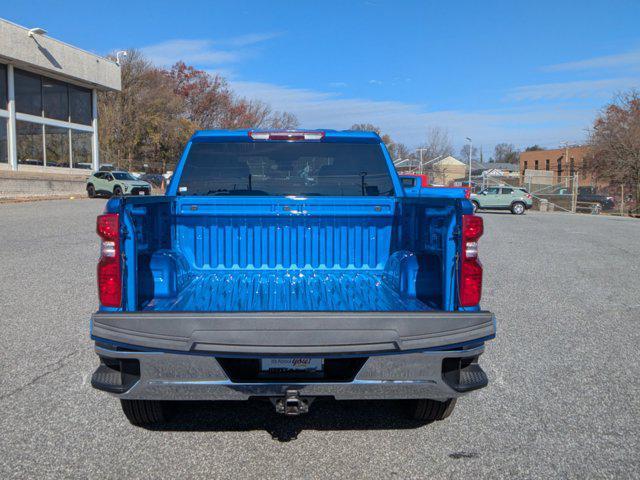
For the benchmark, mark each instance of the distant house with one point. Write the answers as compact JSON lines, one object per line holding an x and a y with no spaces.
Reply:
{"x":447,"y":170}
{"x":494,"y":169}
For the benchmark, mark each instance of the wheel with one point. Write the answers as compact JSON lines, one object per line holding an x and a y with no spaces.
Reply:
{"x":117,"y":191}
{"x":476,"y":206}
{"x":144,"y":412}
{"x":517,"y":208}
{"x":91,"y":191}
{"x":432,"y":410}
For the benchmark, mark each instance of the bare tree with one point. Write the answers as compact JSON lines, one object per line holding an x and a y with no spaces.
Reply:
{"x":505,"y":153}
{"x":438,"y":143}
{"x":615,"y":142}
{"x":283,"y":121}
{"x":464,"y":153}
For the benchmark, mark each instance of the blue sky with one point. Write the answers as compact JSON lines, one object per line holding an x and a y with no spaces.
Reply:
{"x":517,"y":71}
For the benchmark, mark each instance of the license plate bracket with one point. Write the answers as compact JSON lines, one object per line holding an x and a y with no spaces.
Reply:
{"x":292,"y":364}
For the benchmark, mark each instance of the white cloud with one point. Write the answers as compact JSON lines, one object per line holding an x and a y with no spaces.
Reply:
{"x":629,"y":59}
{"x":205,"y":52}
{"x":375,"y":82}
{"x":250,"y":39}
{"x":338,"y":84}
{"x":568,"y":90}
{"x":407,"y":123}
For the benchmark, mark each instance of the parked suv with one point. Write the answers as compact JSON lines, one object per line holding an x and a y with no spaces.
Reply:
{"x":503,"y":198}
{"x":117,"y":184}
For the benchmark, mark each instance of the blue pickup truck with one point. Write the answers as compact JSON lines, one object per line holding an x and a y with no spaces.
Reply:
{"x":288,"y":266}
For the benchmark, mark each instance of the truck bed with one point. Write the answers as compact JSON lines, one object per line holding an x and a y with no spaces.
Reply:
{"x":278,"y":290}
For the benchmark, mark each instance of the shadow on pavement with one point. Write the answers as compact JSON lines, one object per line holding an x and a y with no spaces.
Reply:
{"x":323,"y":414}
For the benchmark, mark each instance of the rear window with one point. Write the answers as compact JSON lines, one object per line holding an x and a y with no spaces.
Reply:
{"x":408,"y":182}
{"x":123,"y":176}
{"x":285,"y":168}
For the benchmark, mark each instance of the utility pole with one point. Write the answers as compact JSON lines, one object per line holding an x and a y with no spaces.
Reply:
{"x":622,"y":199}
{"x":421,"y":150}
{"x":470,"y":150}
{"x":574,"y":194}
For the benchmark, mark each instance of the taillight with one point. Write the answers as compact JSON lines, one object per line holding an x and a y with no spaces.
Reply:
{"x":109,"y":271}
{"x":289,"y":136}
{"x":470,"y":266}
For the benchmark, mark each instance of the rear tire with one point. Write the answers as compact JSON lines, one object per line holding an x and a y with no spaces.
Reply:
{"x":517,"y":208}
{"x":429,"y":410}
{"x":144,"y":412}
{"x":117,"y":192}
{"x":476,"y":206}
{"x":91,"y":191}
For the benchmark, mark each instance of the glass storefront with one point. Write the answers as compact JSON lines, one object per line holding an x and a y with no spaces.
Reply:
{"x":28,"y":91}
{"x":55,"y":99}
{"x":49,"y":98}
{"x":80,"y":105}
{"x":30,"y":143}
{"x":57,"y":146}
{"x":61,"y":137}
{"x":4,"y":145}
{"x":3,"y":86}
{"x":81,"y":146}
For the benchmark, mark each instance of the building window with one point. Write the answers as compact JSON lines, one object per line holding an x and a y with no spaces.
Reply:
{"x":57,"y":144}
{"x":30,"y":147}
{"x":81,"y":146}
{"x":4,"y":150}
{"x":80,"y":105}
{"x":560,"y":167}
{"x":3,"y":86}
{"x":572,"y":167}
{"x":536,"y":164}
{"x":55,"y":99}
{"x":28,"y":91}
{"x":547,"y":164}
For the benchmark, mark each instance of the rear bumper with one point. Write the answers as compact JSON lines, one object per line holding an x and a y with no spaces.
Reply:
{"x":181,"y":356}
{"x":173,"y":376}
{"x":294,"y":333}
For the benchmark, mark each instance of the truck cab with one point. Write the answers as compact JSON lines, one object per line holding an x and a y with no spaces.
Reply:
{"x":289,"y":265}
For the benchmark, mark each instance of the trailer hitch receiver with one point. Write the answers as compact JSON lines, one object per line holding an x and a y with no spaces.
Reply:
{"x":292,"y":403}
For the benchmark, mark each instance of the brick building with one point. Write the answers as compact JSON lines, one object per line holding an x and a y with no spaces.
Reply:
{"x":563,"y":162}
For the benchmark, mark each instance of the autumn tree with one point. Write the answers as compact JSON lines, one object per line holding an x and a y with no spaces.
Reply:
{"x":396,"y":150}
{"x":157,"y":110}
{"x":207,"y":98}
{"x":144,"y":122}
{"x":615,"y":142}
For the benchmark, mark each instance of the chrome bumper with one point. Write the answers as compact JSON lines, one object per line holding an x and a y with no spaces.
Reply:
{"x":177,"y":376}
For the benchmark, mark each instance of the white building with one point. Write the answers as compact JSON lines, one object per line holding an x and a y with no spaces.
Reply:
{"x":48,"y":103}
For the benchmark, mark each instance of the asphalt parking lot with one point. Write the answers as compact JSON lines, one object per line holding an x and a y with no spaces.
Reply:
{"x":563,"y":399}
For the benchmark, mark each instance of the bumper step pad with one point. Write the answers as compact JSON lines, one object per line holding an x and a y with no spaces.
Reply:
{"x":115,"y":375}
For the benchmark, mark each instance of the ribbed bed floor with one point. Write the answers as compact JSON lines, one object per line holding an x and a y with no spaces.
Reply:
{"x":286,"y":290}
